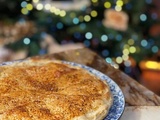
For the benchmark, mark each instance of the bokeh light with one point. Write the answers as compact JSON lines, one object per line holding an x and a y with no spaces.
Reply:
{"x":87,"y":18}
{"x":143,"y":17}
{"x":107,"y":4}
{"x":88,"y":35}
{"x":94,"y":13}
{"x":26,"y":41}
{"x":39,"y":6}
{"x":104,"y":38}
{"x":144,"y":43}
{"x":108,"y":60}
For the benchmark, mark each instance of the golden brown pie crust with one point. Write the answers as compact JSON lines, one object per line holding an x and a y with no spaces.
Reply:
{"x":50,"y":90}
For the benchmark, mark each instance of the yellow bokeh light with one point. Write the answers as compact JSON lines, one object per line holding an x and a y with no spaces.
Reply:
{"x":57,"y":12}
{"x":62,"y":13}
{"x":118,"y":8}
{"x":125,"y":57}
{"x":130,"y":41}
{"x":119,"y":60}
{"x":132,"y":49}
{"x":107,"y":4}
{"x":52,"y":9}
{"x":125,"y":51}
{"x":35,"y":1}
{"x":94,"y":1}
{"x":39,"y":6}
{"x":119,"y":3}
{"x":152,"y":65}
{"x":94,"y":13}
{"x":29,"y":6}
{"x":24,"y":11}
{"x":47,"y":6}
{"x":87,"y":18}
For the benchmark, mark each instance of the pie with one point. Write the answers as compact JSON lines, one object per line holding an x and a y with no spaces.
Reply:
{"x":37,"y":89}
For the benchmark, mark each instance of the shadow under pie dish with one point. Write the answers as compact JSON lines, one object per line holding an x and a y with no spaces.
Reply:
{"x":57,"y":90}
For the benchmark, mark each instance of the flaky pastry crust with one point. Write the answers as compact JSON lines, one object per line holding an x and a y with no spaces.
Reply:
{"x":50,"y":90}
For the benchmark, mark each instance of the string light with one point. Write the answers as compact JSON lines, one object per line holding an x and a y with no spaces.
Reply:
{"x":75,"y":20}
{"x":57,"y":12}
{"x":87,"y":18}
{"x":119,"y":5}
{"x":26,"y":41}
{"x":39,"y":6}
{"x":125,"y":57}
{"x":128,"y":48}
{"x":62,"y":13}
{"x":118,"y":8}
{"x":143,"y":17}
{"x":125,"y":51}
{"x":108,"y":60}
{"x":107,"y":5}
{"x":119,"y":60}
{"x":88,"y":35}
{"x":23,"y":4}
{"x":47,"y":6}
{"x":104,"y":38}
{"x":94,"y":13}
{"x":144,"y":43}
{"x":155,"y":49}
{"x":94,"y":1}
{"x":127,"y":63}
{"x":24,"y":11}
{"x":29,"y":7}
{"x":132,"y":49}
{"x":52,"y":9}
{"x":130,"y":41}
{"x":35,"y":1}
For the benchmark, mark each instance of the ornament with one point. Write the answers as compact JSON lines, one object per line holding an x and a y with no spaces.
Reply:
{"x":117,"y":20}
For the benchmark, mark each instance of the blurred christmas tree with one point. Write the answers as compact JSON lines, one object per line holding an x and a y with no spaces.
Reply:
{"x":121,"y":31}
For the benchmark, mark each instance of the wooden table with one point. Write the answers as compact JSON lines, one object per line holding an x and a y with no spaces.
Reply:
{"x":137,"y":97}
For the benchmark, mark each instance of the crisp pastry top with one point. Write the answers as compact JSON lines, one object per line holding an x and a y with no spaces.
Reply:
{"x":51,"y":90}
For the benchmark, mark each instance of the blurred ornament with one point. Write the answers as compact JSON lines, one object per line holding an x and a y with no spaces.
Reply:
{"x":117,"y":20}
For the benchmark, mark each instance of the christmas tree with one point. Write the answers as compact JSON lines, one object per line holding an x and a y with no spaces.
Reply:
{"x":123,"y":32}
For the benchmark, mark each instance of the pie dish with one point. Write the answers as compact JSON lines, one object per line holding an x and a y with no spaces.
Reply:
{"x":77,"y":93}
